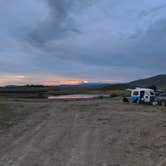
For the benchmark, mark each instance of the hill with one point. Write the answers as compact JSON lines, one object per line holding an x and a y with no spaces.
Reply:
{"x":159,"y":81}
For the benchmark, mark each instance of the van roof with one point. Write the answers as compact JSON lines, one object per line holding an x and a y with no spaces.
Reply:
{"x":145,"y":89}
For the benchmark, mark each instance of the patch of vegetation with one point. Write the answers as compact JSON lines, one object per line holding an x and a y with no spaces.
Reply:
{"x":30,"y":100}
{"x":7,"y":117}
{"x":117,"y":87}
{"x":12,"y":114}
{"x":120,"y":93}
{"x":102,"y":97}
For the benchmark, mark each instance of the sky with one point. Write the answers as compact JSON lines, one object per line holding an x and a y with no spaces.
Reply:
{"x":54,"y":42}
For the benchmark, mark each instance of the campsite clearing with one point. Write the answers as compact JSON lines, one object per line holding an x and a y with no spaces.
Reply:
{"x":87,"y":132}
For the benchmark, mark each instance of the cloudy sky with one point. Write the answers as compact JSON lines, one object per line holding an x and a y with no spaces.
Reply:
{"x":70,"y":41}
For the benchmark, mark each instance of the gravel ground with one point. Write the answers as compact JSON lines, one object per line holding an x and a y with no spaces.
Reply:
{"x":84,"y":133}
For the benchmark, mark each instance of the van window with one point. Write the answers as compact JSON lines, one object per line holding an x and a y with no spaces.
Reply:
{"x":152,"y":93}
{"x":135,"y":93}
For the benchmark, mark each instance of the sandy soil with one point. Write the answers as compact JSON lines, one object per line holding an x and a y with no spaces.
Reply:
{"x":85,"y":133}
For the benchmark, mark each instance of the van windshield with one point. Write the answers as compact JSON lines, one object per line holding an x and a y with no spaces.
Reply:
{"x":135,"y":93}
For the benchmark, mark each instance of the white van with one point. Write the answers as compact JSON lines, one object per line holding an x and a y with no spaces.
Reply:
{"x":142,"y":95}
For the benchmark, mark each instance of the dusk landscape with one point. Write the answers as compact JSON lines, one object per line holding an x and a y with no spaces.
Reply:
{"x":82,"y":83}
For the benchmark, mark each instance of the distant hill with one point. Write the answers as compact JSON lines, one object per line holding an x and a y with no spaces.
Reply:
{"x":159,"y":81}
{"x":116,"y":87}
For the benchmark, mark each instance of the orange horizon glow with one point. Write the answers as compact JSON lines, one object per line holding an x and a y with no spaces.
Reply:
{"x":39,"y":79}
{"x":48,"y":80}
{"x":63,"y":82}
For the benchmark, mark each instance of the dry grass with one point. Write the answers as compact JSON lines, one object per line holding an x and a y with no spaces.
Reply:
{"x":7,"y":117}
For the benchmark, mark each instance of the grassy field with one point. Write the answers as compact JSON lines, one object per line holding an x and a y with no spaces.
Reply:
{"x":43,"y":91}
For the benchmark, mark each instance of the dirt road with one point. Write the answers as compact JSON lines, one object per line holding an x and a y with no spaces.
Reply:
{"x":85,"y":133}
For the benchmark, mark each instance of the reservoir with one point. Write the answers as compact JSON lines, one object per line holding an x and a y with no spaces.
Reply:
{"x":77,"y":96}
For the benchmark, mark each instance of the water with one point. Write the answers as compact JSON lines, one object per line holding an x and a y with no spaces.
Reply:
{"x":77,"y":96}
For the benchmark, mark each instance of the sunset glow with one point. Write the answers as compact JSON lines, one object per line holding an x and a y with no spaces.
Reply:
{"x":63,"y":82}
{"x":38,"y":79}
{"x":48,"y":80}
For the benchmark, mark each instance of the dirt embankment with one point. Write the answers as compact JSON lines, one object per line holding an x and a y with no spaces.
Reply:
{"x":85,"y":133}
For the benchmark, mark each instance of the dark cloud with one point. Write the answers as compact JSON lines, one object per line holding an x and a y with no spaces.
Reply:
{"x":153,"y":10}
{"x":127,"y":50}
{"x":89,"y":39}
{"x":59,"y":22}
